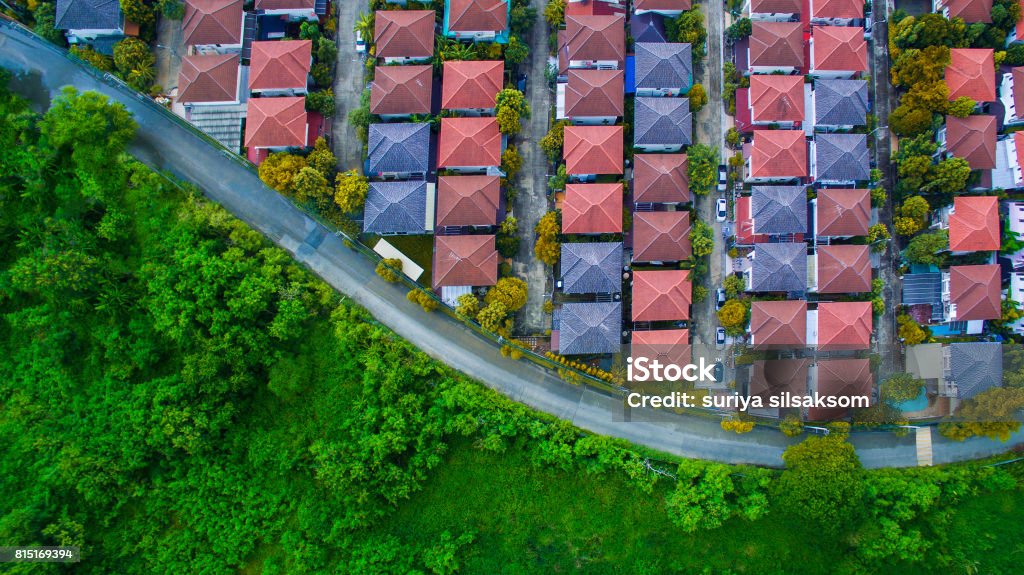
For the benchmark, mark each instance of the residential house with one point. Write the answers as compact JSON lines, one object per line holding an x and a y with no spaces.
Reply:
{"x":477,"y":20}
{"x":662,"y":124}
{"x":775,"y":379}
{"x":471,"y":87}
{"x":668,"y":346}
{"x":776,"y":101}
{"x":591,"y":267}
{"x":840,"y":269}
{"x":1011,"y":97}
{"x":469,"y":145}
{"x":777,"y":268}
{"x":839,"y":104}
{"x":974,"y":139}
{"x":840,"y":158}
{"x":970,"y":11}
{"x":595,"y":42}
{"x":84,"y":21}
{"x":970,"y":368}
{"x":838,"y":52}
{"x":779,"y":212}
{"x":274,"y":125}
{"x":1015,"y":230}
{"x":208,"y":80}
{"x":280,"y":68}
{"x":587,"y":328}
{"x":468,"y":201}
{"x":971,"y":73}
{"x":974,"y":224}
{"x":661,"y":179}
{"x":841,"y":213}
{"x":398,"y":208}
{"x":775,"y":10}
{"x":975,"y":295}
{"x":836,"y":12}
{"x":926,"y":296}
{"x":648,"y":27}
{"x":404,"y":36}
{"x":661,"y":295}
{"x":1016,"y":294}
{"x":463,"y":261}
{"x":663,"y":69}
{"x":592,"y":97}
{"x":840,"y":326}
{"x":668,"y":8}
{"x":660,"y":237}
{"x":776,"y":156}
{"x":212,"y":26}
{"x":839,"y":378}
{"x":774,"y":47}
{"x":1009,"y":159}
{"x":592,"y":150}
{"x":398,"y":151}
{"x":595,"y":8}
{"x":398,"y":92}
{"x":592,"y":209}
{"x":778,"y":324}
{"x":291,"y":10}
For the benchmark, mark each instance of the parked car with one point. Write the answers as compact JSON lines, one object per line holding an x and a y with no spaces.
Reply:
{"x":720,"y":209}
{"x":360,"y":43}
{"x":722,"y":178}
{"x":719,"y":337}
{"x":521,"y":83}
{"x":719,"y":372}
{"x":719,"y":298}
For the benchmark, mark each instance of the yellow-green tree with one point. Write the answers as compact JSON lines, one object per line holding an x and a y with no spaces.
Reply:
{"x":548,"y":249}
{"x":422,"y":299}
{"x":492,"y":316}
{"x":511,"y":107}
{"x":309,"y":184}
{"x":468,"y":305}
{"x":554,"y":13}
{"x":511,"y":292}
{"x":389,"y":268}
{"x":511,"y":162}
{"x":350,"y":191}
{"x":698,"y":97}
{"x":734,"y":316}
{"x":278,"y":170}
{"x":322,"y":159}
{"x":553,"y":141}
{"x":909,"y":331}
{"x":991,"y":414}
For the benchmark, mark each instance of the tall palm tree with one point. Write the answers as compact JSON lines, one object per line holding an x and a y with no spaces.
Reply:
{"x":364,"y":25}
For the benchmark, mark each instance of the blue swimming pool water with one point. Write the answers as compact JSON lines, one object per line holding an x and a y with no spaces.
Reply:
{"x":917,"y":404}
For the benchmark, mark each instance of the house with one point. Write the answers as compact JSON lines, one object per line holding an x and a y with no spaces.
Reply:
{"x":972,"y":138}
{"x":838,"y":52}
{"x":291,"y":10}
{"x":840,"y":158}
{"x":471,"y":87}
{"x":779,"y":212}
{"x":661,"y":237}
{"x":775,"y":379}
{"x":1016,"y":294}
{"x":83,"y":21}
{"x":975,"y":294}
{"x":776,"y":155}
{"x":970,"y":11}
{"x":777,"y":268}
{"x":839,"y":104}
{"x":595,"y":8}
{"x":648,"y":27}
{"x":212,"y":26}
{"x":668,"y":346}
{"x":775,"y":47}
{"x":660,"y":178}
{"x":591,"y":267}
{"x":469,"y":145}
{"x":592,"y":97}
{"x":1012,"y":98}
{"x":461,"y":261}
{"x":662,"y":124}
{"x":776,"y":101}
{"x":275,"y":124}
{"x":661,"y":295}
{"x":926,"y":296}
{"x":775,"y":10}
{"x":778,"y":324}
{"x":477,"y":20}
{"x":971,"y":73}
{"x":592,"y":209}
{"x":398,"y":151}
{"x":973,"y":368}
{"x":663,"y":69}
{"x":974,"y":224}
{"x":592,"y":150}
{"x":840,"y":326}
{"x":398,"y":92}
{"x":595,"y":42}
{"x":840,"y":213}
{"x":208,"y":80}
{"x":467,"y":201}
{"x":404,"y":36}
{"x":588,"y":328}
{"x":668,"y":8}
{"x":841,"y":269}
{"x":839,"y":378}
{"x":1009,"y":159}
{"x":398,"y":208}
{"x":836,"y":12}
{"x":280,"y":68}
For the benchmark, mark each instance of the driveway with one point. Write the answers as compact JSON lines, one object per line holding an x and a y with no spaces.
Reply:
{"x":348,"y":87}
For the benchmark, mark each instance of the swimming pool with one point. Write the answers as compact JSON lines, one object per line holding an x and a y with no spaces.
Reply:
{"x":917,"y":404}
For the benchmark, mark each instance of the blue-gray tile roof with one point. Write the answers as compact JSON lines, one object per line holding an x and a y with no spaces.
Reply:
{"x":840,"y":102}
{"x":589,"y":328}
{"x":399,"y":148}
{"x":88,"y":15}
{"x":663,"y":65}
{"x":779,"y":209}
{"x":396,"y":207}
{"x":662,"y":122}
{"x":841,"y":157}
{"x":975,"y":367}
{"x":592,"y":267}
{"x":779,"y":268}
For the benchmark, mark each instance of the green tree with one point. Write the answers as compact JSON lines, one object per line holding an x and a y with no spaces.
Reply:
{"x":45,"y":16}
{"x":511,"y":162}
{"x":279,"y":169}
{"x":698,"y":98}
{"x":554,"y":13}
{"x":950,"y":176}
{"x":702,"y":166}
{"x":734,"y":286}
{"x":962,"y":107}
{"x":689,"y":28}
{"x":878,"y":235}
{"x":350,"y":192}
{"x":553,"y":141}
{"x":702,"y":238}
{"x":139,"y":12}
{"x":707,"y":494}
{"x":310,"y":185}
{"x":928,"y":248}
{"x":991,"y":413}
{"x":93,"y":58}
{"x":511,"y":107}
{"x":516,"y":52}
{"x":135,"y":63}
{"x":739,"y":29}
{"x":822,"y":483}
{"x":321,"y":101}
{"x":732,"y":137}
{"x":878,"y":196}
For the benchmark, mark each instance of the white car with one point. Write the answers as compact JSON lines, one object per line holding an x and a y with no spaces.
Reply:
{"x":720,"y":209}
{"x":360,"y":43}
{"x":720,"y":338}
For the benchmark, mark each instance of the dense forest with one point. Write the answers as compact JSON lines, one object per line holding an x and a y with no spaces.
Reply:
{"x":177,"y":396}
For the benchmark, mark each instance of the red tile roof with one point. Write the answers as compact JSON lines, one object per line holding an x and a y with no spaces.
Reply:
{"x":970,"y":11}
{"x":593,"y":8}
{"x":477,"y":15}
{"x":276,"y":123}
{"x":971,"y":72}
{"x":465,"y":261}
{"x":212,"y":22}
{"x":976,"y":292}
{"x":776,"y":44}
{"x":401,"y":90}
{"x":843,"y":269}
{"x":404,"y":33}
{"x":779,"y":154}
{"x":668,"y":346}
{"x":775,"y":6}
{"x":285,"y":4}
{"x":839,"y":48}
{"x":594,"y":93}
{"x":974,"y":139}
{"x":777,"y":98}
{"x":212,"y":78}
{"x":1018,"y":143}
{"x":662,"y":295}
{"x":280,"y":64}
{"x":592,"y":209}
{"x":1018,"y":82}
{"x":468,"y":200}
{"x":843,"y":212}
{"x":660,"y":178}
{"x":745,"y":223}
{"x":841,"y":378}
{"x":974,"y":225}
{"x":778,"y":324}
{"x":596,"y":38}
{"x":844,"y":325}
{"x":661,"y":4}
{"x":593,"y":149}
{"x":772,"y":378}
{"x":838,"y":9}
{"x":471,"y":84}
{"x":469,"y":142}
{"x":661,"y":236}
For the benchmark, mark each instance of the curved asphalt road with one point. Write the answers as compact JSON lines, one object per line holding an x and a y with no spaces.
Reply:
{"x":165,"y":145}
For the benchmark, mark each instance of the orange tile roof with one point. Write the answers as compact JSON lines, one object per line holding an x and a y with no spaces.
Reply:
{"x":668,"y":346}
{"x":661,"y":236}
{"x":276,"y":123}
{"x":976,"y":292}
{"x":594,"y":93}
{"x":838,"y":9}
{"x":404,"y":33}
{"x":662,"y":295}
{"x":839,"y":48}
{"x":285,"y":4}
{"x":843,"y":212}
{"x":776,"y":44}
{"x":661,"y":4}
{"x":596,"y":38}
{"x":779,"y":154}
{"x":471,"y":84}
{"x":468,"y":200}
{"x":974,"y":139}
{"x":469,"y":142}
{"x":1018,"y":143}
{"x":477,"y":15}
{"x":843,"y":269}
{"x":401,"y":90}
{"x":777,"y":98}
{"x":212,"y":78}
{"x":1018,"y":79}
{"x":844,"y":325}
{"x":778,"y":324}
{"x":970,"y":11}
{"x":772,"y":378}
{"x":280,"y":64}
{"x":661,"y":178}
{"x":592,"y":209}
{"x":593,"y":149}
{"x":974,"y":224}
{"x":775,"y":6}
{"x":465,"y":261}
{"x":212,"y":22}
{"x":841,"y":378}
{"x":971,"y":72}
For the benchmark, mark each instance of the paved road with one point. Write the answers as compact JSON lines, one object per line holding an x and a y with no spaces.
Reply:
{"x":164,"y":144}
{"x":348,"y":86}
{"x":170,"y":48}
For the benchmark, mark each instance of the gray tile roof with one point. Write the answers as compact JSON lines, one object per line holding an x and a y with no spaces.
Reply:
{"x":592,"y":267}
{"x":399,"y":148}
{"x":648,"y":27}
{"x":924,"y":289}
{"x":396,"y":207}
{"x":975,"y":367}
{"x":662,"y":121}
{"x":842,"y":157}
{"x":779,"y":209}
{"x":840,"y":102}
{"x":88,"y":15}
{"x":779,"y":267}
{"x":589,"y":328}
{"x":663,"y":65}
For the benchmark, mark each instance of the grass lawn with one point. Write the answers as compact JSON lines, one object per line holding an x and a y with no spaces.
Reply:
{"x":419,"y":249}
